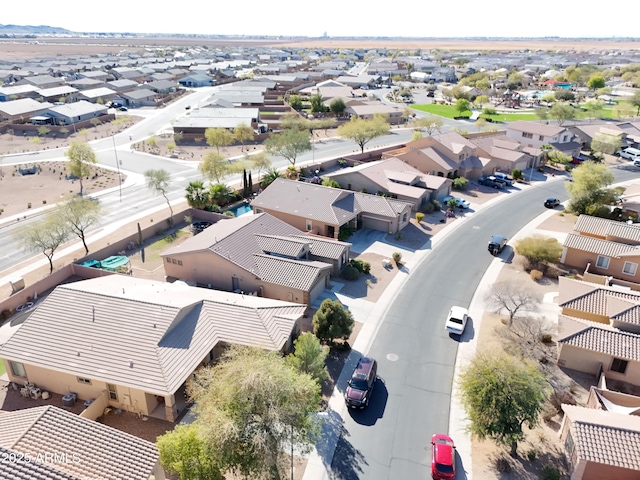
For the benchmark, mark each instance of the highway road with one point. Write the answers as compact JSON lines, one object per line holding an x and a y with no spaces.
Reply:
{"x":391,"y":438}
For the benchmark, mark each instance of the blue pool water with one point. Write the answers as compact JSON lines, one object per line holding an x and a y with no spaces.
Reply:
{"x":241,"y":209}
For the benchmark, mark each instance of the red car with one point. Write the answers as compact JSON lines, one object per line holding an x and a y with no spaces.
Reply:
{"x":443,"y":457}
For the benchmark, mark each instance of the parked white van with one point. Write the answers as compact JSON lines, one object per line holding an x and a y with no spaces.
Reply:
{"x":630,"y":154}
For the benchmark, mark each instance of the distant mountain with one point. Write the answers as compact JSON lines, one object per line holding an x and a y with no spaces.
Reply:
{"x":32,"y":30}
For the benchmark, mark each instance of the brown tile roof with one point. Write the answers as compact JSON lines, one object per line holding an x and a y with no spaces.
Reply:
{"x":301,"y":275}
{"x":535,"y":128}
{"x":609,"y":341}
{"x":324,"y":247}
{"x":606,"y":228}
{"x":143,"y":334}
{"x":605,"y":437}
{"x":93,"y":450}
{"x":29,"y":471}
{"x":598,"y":246}
{"x":453,"y":141}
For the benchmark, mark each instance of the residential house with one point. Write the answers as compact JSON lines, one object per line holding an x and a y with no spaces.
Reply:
{"x":95,"y":75}
{"x":127,"y":73}
{"x":359,"y":81}
{"x":139,"y":98}
{"x":505,"y":155}
{"x":22,"y":109}
{"x":260,"y":255}
{"x":392,"y":177}
{"x":537,"y":135}
{"x":86,"y":83}
{"x":601,"y":444}
{"x":587,"y":132}
{"x":606,"y":248}
{"x":195,"y":80}
{"x":122,"y":85}
{"x":196,"y":123}
{"x":42,"y":81}
{"x":97,"y":95}
{"x":15,"y":92}
{"x":138,"y":340}
{"x":323,"y":210}
{"x":368,"y":111}
{"x":631,"y":201}
{"x":162,"y":86}
{"x":447,"y":155}
{"x":592,"y":347}
{"x":63,"y":445}
{"x":72,"y":113}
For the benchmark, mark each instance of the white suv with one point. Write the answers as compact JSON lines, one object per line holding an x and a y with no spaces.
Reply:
{"x":629,"y":153}
{"x":503,"y":177}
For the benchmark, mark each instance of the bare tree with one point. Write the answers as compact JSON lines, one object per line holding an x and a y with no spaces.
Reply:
{"x":513,"y":298}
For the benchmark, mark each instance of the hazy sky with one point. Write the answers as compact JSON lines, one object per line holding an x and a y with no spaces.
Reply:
{"x":410,"y":18}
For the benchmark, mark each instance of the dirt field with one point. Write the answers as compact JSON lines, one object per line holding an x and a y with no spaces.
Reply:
{"x":53,"y":47}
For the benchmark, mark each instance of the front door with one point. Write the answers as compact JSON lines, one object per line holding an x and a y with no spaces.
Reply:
{"x":331,"y":231}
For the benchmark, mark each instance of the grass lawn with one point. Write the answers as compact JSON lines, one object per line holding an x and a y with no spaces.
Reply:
{"x":449,"y":111}
{"x":153,"y":251}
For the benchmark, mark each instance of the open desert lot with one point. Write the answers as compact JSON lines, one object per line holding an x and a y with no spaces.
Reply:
{"x":52,"y":46}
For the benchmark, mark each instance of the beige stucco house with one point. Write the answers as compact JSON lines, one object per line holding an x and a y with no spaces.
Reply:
{"x":393,"y":177}
{"x":505,"y":154}
{"x":259,"y":255}
{"x":601,"y":444}
{"x":447,"y":155}
{"x":135,"y":342}
{"x":323,"y":210}
{"x":606,"y":248}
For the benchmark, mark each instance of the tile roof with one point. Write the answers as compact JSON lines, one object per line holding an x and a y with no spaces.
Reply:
{"x":596,"y":300}
{"x":93,"y":450}
{"x":324,"y":247}
{"x":598,"y":246}
{"x":605,"y":340}
{"x":29,"y":471}
{"x":289,"y":247}
{"x":610,"y":229}
{"x":535,"y":128}
{"x":301,"y":275}
{"x":143,"y":334}
{"x":605,"y":437}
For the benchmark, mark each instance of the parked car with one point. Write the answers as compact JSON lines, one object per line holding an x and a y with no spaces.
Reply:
{"x":630,"y":153}
{"x":123,"y":109}
{"x":456,"y":320}
{"x":460,"y":202}
{"x":503,"y":177}
{"x":496,"y":244}
{"x":551,"y":202}
{"x":443,"y":457}
{"x":188,"y":107}
{"x":360,"y":387}
{"x":490,"y":182}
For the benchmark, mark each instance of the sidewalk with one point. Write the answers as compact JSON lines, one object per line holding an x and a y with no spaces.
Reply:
{"x":319,"y":462}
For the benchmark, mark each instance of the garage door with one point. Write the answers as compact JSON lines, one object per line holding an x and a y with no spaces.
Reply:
{"x":317,"y":289}
{"x":376,"y":224}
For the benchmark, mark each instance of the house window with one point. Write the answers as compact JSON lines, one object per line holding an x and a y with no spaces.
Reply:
{"x":180,"y":262}
{"x":18,"y":369}
{"x":168,"y":259}
{"x":527,"y":135}
{"x":568,"y":444}
{"x":86,"y":381}
{"x":619,"y":365}
{"x":259,"y":210}
{"x":173,"y":260}
{"x":602,"y":262}
{"x":541,"y":138}
{"x":309,"y":225}
{"x":630,"y":268}
{"x":113,"y":394}
{"x":404,"y":217}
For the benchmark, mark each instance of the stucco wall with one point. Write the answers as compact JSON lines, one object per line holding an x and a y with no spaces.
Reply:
{"x":589,"y":361}
{"x":580,"y":259}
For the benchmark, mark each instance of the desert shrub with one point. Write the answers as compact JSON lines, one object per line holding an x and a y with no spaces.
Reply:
{"x":428,"y":208}
{"x":546,"y":338}
{"x":358,"y":264}
{"x":548,"y":412}
{"x":366,"y":268}
{"x":419,"y":217}
{"x":552,"y":271}
{"x":6,"y":313}
{"x":549,"y":472}
{"x":350,"y":273}
{"x":536,"y":275}
{"x":436,"y":205}
{"x":531,"y":455}
{"x":460,"y":183}
{"x":397,"y":257}
{"x":558,"y":397}
{"x":228,"y":213}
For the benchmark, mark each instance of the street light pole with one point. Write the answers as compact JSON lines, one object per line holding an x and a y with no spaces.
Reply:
{"x":115,"y":151}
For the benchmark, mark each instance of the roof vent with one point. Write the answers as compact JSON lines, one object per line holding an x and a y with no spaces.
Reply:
{"x":130,"y":363}
{"x":78,"y":353}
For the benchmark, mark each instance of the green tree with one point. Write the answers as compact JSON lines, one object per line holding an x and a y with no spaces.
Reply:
{"x":564,"y":95}
{"x":80,"y":213}
{"x":81,"y":159}
{"x":588,"y":191}
{"x":294,"y":121}
{"x":289,"y":143}
{"x":416,"y":135}
{"x":624,"y":110}
{"x":184,"y":451}
{"x":214,"y":166}
{"x":500,"y":395}
{"x":462,"y":105}
{"x":243,"y":133}
{"x":197,"y":195}
{"x":45,"y":236}
{"x":562,"y":113}
{"x":337,"y":105}
{"x":430,"y":123}
{"x":270,"y":176}
{"x":596,"y":82}
{"x":317,"y":104}
{"x":635,"y":101}
{"x":252,"y":405}
{"x":323,"y":124}
{"x":295,"y":102}
{"x":604,"y":143}
{"x":95,"y":122}
{"x":221,"y":194}
{"x":329,"y":182}
{"x":594,"y":108}
{"x":362,"y":131}
{"x":260,"y":161}
{"x":309,"y":357}
{"x":159,"y":181}
{"x":42,"y":131}
{"x":539,"y":250}
{"x":218,"y":137}
{"x":332,"y":321}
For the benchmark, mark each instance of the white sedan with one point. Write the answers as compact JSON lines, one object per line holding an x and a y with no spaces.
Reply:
{"x":460,"y":202}
{"x":457,"y":320}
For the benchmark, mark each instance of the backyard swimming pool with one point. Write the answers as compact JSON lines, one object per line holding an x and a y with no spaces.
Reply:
{"x":241,"y":209}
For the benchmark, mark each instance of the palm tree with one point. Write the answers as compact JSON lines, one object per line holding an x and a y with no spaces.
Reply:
{"x":197,"y":195}
{"x":220,"y":194}
{"x":270,"y":176}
